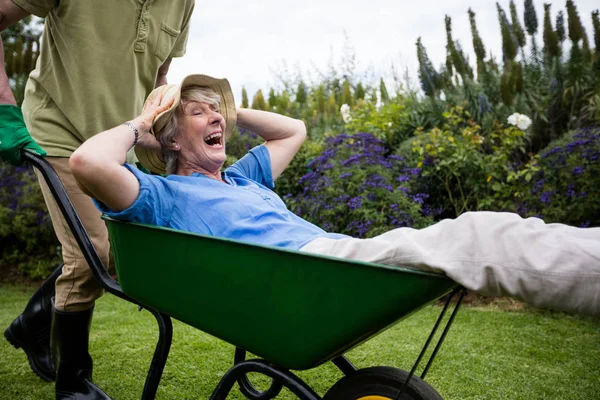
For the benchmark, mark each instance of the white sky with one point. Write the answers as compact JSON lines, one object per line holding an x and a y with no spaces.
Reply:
{"x":246,"y":41}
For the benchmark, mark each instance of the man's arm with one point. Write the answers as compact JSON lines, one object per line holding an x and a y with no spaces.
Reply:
{"x":284,"y":135}
{"x":9,"y":14}
{"x":13,"y":133}
{"x":161,"y":77}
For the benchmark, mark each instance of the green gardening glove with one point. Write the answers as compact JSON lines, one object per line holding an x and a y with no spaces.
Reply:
{"x":14,"y":135}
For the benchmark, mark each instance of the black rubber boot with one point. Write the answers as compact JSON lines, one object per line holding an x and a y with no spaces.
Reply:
{"x":69,"y":342}
{"x":31,"y":330}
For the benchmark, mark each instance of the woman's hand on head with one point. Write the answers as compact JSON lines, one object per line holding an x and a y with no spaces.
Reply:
{"x":152,"y":108}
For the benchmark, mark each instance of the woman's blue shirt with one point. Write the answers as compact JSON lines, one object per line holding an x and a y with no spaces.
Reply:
{"x":245,"y":209}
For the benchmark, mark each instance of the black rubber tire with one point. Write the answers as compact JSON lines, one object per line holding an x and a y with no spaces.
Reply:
{"x":381,"y":381}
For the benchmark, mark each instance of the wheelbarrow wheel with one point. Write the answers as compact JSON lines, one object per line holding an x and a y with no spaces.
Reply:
{"x":381,"y":383}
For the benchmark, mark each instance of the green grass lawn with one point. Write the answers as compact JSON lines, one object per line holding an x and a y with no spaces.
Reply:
{"x":488,"y":354}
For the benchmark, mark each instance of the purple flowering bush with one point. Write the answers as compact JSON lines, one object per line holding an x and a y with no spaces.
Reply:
{"x":26,"y":236}
{"x":564,"y":185}
{"x":354,"y":187}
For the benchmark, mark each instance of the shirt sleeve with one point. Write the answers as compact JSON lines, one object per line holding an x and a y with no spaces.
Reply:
{"x":39,"y":8}
{"x":255,"y":165}
{"x":181,"y":43}
{"x":153,"y":204}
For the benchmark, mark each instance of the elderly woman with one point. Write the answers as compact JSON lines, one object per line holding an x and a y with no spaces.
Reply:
{"x":182,"y":133}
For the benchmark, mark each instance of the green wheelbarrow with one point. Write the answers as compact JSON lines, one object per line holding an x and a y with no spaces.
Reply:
{"x":294,"y":310}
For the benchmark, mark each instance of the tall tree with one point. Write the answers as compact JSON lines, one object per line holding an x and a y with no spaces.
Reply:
{"x":272,"y":99}
{"x":517,"y":30}
{"x":530,"y":18}
{"x":347,"y":94}
{"x":560,"y":26}
{"x":244,"y":98}
{"x":531,"y":24}
{"x":385,"y":97}
{"x":319,"y":99}
{"x":258,"y":101}
{"x":551,"y":41}
{"x":509,"y":52}
{"x":478,"y":46}
{"x":596,"y":24}
{"x":359,"y":92}
{"x":577,"y":31}
{"x":509,"y":48}
{"x":428,"y":76}
{"x":331,"y":107}
{"x":284,"y":103}
{"x":301,"y":93}
{"x":453,"y":49}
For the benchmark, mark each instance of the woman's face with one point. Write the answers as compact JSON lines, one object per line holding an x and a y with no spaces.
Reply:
{"x":202,"y":137}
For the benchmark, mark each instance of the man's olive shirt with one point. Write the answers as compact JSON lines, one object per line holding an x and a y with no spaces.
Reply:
{"x":99,"y":60}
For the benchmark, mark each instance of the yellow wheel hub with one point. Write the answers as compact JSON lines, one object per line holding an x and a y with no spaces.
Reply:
{"x":373,"y":398}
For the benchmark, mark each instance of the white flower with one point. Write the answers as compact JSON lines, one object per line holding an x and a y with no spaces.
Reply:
{"x":522,"y":121}
{"x":389,"y":124}
{"x":345,"y":111}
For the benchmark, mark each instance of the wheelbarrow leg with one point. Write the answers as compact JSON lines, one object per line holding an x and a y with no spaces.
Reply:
{"x":165,"y":327}
{"x":344,"y":365}
{"x":461,"y":294}
{"x":296,"y":385}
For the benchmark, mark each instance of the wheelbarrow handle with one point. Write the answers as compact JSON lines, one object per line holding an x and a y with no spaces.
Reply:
{"x":100,"y":272}
{"x":66,"y":207}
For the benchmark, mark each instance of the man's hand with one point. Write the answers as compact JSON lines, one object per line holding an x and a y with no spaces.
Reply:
{"x":14,"y":135}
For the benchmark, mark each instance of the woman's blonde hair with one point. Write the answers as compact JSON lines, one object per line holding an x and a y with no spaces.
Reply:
{"x":169,"y":133}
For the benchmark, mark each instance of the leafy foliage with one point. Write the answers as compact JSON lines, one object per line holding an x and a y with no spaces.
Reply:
{"x":26,"y":236}
{"x":386,"y":123}
{"x":464,"y":168}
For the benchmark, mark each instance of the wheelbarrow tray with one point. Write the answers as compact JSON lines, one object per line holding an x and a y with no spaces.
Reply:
{"x":294,"y":309}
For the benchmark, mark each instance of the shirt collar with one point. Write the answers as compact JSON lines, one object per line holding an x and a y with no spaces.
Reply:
{"x":225,"y":177}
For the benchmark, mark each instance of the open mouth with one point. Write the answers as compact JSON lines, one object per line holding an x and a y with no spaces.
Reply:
{"x":214,"y":139}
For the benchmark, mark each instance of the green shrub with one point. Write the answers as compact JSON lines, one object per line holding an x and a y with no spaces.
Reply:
{"x":464,"y":168}
{"x":27,"y":239}
{"x":386,"y":123}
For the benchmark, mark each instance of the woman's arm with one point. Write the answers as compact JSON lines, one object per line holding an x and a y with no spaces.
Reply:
{"x":97,"y":164}
{"x":284,"y":135}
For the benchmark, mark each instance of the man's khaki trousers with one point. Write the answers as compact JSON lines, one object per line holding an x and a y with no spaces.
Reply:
{"x":76,"y":288}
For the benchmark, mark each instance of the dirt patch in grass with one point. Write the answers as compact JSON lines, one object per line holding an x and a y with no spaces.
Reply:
{"x":474,"y":299}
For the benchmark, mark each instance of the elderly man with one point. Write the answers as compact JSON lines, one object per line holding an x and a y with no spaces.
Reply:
{"x":98,"y":62}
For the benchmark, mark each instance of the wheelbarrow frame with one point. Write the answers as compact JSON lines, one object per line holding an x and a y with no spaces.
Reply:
{"x":238,"y":373}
